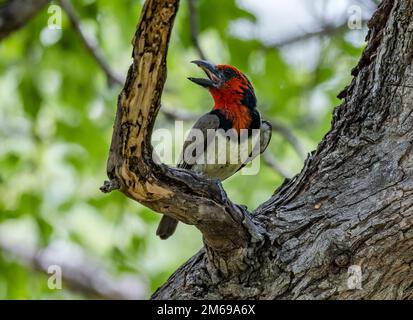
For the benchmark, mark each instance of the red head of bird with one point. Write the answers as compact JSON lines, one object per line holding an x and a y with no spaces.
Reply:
{"x":231,"y":90}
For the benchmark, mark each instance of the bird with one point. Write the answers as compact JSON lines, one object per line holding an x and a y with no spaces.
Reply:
{"x":234,"y":111}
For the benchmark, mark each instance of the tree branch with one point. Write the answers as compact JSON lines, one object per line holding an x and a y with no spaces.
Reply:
{"x":181,"y":194}
{"x":194,"y":28}
{"x":273,"y":163}
{"x":290,"y":137}
{"x":79,"y":272}
{"x":15,"y":14}
{"x":91,"y":45}
{"x":325,"y":30}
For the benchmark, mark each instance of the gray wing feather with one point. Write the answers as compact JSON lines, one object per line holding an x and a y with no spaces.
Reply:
{"x":266,"y":134}
{"x":265,"y":138}
{"x":207,"y":121}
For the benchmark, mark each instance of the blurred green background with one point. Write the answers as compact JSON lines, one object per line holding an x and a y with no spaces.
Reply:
{"x":56,"y":117}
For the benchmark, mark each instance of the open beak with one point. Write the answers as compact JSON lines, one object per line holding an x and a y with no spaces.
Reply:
{"x":214,"y":79}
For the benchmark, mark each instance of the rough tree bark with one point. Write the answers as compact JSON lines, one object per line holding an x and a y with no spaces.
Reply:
{"x":350,"y":205}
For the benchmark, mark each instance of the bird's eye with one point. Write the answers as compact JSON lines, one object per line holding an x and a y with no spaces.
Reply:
{"x":229,"y":73}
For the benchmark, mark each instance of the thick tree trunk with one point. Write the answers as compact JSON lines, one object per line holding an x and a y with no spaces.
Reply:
{"x":350,"y":209}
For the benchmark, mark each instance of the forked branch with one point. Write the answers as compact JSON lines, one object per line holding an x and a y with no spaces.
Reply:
{"x":180,"y":194}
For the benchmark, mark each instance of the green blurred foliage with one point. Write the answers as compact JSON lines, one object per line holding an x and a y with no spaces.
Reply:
{"x":56,"y":117}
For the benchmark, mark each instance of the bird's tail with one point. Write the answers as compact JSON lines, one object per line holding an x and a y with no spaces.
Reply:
{"x":166,"y":227}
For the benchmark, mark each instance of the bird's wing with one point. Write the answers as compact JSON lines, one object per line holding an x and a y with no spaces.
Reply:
{"x":197,"y":139}
{"x":266,"y":134}
{"x":265,"y":138}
